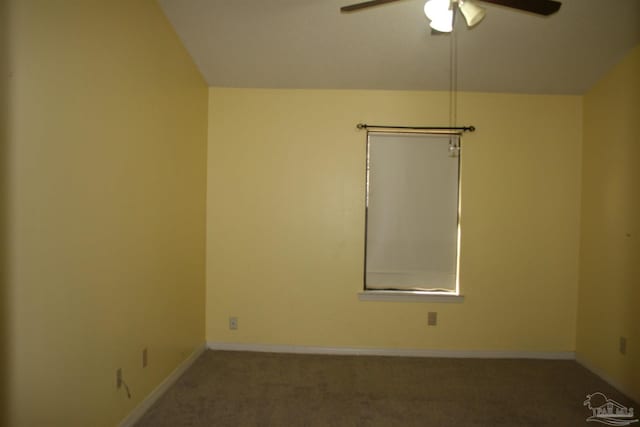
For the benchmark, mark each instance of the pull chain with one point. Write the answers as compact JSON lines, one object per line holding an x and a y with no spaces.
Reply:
{"x":454,"y":146}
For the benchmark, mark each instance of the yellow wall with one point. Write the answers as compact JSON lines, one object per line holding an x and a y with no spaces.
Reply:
{"x":285,"y":220}
{"x":609,"y":297}
{"x":107,"y":152}
{"x":4,"y":71}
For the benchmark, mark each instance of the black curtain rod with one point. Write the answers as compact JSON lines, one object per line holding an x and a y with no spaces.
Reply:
{"x":427,"y":128}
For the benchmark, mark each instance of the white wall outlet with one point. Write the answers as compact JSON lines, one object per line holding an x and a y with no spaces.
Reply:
{"x":623,"y":345}
{"x":145,"y":357}
{"x":119,"y":378}
{"x":432,"y":318}
{"x":233,"y":323}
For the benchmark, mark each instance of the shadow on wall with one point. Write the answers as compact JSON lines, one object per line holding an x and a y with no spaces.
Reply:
{"x":4,"y":142}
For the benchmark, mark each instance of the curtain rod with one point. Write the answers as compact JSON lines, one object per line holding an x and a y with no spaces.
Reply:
{"x":417,"y":128}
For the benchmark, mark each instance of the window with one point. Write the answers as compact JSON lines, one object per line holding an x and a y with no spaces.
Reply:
{"x":412,"y":213}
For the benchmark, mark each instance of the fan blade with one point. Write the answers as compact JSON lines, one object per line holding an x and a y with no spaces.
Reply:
{"x":364,"y":5}
{"x":541,"y":7}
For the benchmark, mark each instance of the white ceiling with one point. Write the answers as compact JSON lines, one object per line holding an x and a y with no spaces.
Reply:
{"x":310,"y":44}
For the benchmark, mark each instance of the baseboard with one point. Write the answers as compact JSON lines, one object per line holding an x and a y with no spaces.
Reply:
{"x":148,"y":401}
{"x":347,"y":351}
{"x":606,"y":378}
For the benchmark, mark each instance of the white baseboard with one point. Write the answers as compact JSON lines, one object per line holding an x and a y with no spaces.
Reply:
{"x":606,"y":378}
{"x":346,"y":351}
{"x":148,"y":401}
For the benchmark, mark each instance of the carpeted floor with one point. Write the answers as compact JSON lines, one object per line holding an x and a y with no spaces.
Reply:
{"x":265,"y":389}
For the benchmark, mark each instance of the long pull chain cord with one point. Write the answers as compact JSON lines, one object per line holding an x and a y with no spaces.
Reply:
{"x":453,"y":78}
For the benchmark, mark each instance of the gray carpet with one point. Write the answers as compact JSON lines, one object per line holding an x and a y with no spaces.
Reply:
{"x":265,"y":389}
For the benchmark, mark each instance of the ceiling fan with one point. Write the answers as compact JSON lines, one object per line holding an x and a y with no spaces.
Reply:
{"x":441,"y":12}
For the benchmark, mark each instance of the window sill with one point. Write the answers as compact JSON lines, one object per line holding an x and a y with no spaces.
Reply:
{"x":409,"y":296}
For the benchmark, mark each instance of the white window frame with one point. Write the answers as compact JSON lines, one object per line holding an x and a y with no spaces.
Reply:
{"x":409,"y":295}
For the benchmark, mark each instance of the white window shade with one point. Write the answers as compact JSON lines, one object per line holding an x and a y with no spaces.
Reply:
{"x":412,"y":213}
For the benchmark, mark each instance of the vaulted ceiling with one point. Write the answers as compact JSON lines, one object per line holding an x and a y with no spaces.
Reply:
{"x":310,"y":44}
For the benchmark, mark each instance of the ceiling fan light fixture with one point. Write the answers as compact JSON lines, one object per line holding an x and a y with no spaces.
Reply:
{"x":442,"y":25}
{"x":440,"y":13}
{"x":472,"y":12}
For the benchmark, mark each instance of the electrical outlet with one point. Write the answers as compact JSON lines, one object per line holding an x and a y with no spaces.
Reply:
{"x":432,"y":318}
{"x":145,"y":357}
{"x":119,"y":378}
{"x":233,"y":323}
{"x":623,"y":345}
